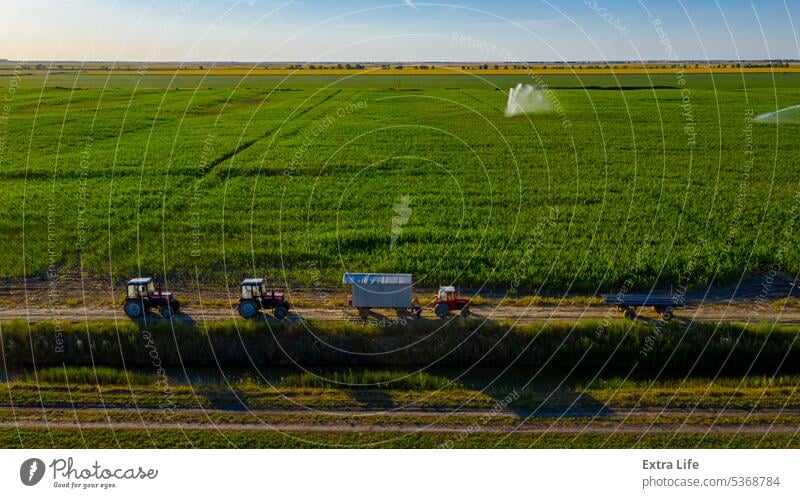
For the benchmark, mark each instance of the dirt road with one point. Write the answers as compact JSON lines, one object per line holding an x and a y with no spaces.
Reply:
{"x":520,"y":414}
{"x":639,"y":421}
{"x":737,"y":312}
{"x":74,"y":299}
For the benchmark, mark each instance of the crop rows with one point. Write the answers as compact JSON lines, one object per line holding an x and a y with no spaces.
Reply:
{"x":306,"y":178}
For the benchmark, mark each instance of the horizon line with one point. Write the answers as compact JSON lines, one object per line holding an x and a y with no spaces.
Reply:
{"x":304,"y":62}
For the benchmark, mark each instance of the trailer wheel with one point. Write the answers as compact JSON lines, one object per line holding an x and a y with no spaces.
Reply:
{"x":442,"y":310}
{"x":176,"y":305}
{"x":465,"y":312}
{"x":667,"y":314}
{"x":167,"y":311}
{"x":280,"y":312}
{"x":629,"y":313}
{"x":133,"y":309}
{"x":363,"y":313}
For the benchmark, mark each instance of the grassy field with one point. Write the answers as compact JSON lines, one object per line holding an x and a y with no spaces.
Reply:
{"x":478,"y":390}
{"x":725,"y":412}
{"x":106,"y":438}
{"x":592,"y":347}
{"x":215,"y":177}
{"x":582,"y":385}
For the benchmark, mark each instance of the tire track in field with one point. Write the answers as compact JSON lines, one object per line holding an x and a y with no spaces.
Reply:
{"x":103,"y":135}
{"x":476,"y":99}
{"x":249,"y":143}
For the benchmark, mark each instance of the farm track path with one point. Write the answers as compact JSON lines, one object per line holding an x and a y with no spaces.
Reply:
{"x":62,"y":300}
{"x":739,"y":312}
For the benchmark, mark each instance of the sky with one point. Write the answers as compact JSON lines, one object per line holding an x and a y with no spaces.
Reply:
{"x":398,"y":30}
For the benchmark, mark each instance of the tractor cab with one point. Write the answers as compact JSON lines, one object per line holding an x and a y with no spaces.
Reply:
{"x":253,"y":288}
{"x":141,"y":288}
{"x":448,"y":299}
{"x":255,"y":296}
{"x":446,"y":294}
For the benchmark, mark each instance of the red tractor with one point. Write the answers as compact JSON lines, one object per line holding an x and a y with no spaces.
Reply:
{"x":145,"y":294}
{"x":255,"y":297}
{"x":448,"y":300}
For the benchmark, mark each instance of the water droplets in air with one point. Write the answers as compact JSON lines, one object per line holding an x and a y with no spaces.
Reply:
{"x":526,"y":99}
{"x":782,"y":116}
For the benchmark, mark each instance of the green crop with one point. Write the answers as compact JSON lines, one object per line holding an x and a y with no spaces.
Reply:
{"x":304,"y":178}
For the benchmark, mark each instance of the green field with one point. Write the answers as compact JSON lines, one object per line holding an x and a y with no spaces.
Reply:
{"x":301,"y":179}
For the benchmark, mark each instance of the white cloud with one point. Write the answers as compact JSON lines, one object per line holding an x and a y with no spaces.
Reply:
{"x":411,"y":4}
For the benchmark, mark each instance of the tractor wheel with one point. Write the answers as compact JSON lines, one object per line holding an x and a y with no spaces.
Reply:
{"x":442,"y":310}
{"x":167,"y":311}
{"x":280,"y":312}
{"x":247,"y":309}
{"x":133,"y":309}
{"x":629,"y":313}
{"x":363,"y":313}
{"x":465,"y":312}
{"x":175,"y":304}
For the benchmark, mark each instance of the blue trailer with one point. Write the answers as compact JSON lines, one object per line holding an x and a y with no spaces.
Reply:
{"x":664,"y":304}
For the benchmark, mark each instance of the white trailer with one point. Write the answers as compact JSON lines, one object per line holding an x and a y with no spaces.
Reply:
{"x":382,"y":291}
